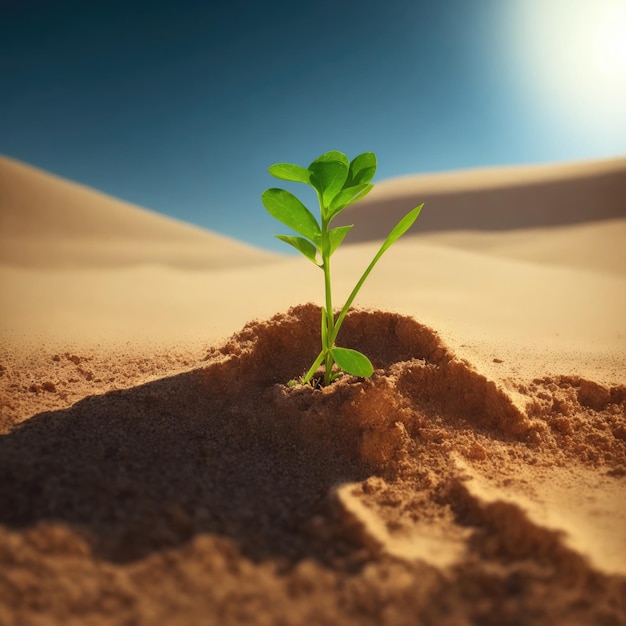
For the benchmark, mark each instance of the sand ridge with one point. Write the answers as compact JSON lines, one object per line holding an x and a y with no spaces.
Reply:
{"x":47,"y":222}
{"x":495,"y":199}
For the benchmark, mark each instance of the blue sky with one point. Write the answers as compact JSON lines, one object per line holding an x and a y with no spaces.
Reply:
{"x":181,"y":106}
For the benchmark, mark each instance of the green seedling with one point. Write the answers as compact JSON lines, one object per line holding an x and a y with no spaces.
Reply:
{"x":338,"y":183}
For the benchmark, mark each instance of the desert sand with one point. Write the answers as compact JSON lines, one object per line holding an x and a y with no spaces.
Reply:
{"x":156,"y":469}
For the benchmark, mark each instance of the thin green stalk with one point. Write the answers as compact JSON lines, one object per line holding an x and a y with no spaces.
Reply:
{"x":330,"y":318}
{"x":352,"y":296}
{"x":399,"y":229}
{"x":318,"y":361}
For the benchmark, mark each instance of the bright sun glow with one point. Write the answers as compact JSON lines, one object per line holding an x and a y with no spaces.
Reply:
{"x":607,"y":26}
{"x":574,"y":59}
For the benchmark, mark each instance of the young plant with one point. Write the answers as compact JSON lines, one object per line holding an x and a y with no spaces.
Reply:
{"x":338,"y":183}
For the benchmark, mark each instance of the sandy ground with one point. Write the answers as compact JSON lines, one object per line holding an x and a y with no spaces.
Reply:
{"x":155,"y":468}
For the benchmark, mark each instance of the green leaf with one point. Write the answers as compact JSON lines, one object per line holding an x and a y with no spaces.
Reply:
{"x":352,"y":362}
{"x":286,"y":208}
{"x":328,"y":175}
{"x":288,"y":171}
{"x":324,"y":330}
{"x":348,"y":196}
{"x":302,"y":245}
{"x":400,"y":228}
{"x":362,"y":169}
{"x":336,"y":236}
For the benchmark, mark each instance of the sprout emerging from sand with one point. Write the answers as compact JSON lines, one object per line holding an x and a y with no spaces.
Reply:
{"x":338,"y":183}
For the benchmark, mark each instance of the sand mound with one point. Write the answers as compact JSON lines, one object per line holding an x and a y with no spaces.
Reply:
{"x":217,"y":494}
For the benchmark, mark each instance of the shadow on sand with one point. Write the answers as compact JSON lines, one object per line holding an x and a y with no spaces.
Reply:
{"x":225,"y":450}
{"x":146,"y":468}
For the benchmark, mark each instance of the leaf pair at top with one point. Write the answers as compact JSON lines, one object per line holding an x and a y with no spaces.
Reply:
{"x":338,"y":183}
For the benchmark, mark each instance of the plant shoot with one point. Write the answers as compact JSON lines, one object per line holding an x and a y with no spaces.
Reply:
{"x":338,"y":183}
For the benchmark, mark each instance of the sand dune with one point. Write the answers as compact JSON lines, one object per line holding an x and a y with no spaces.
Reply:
{"x":594,"y":246}
{"x":495,"y":199}
{"x":49,"y":222}
{"x":154,"y":467}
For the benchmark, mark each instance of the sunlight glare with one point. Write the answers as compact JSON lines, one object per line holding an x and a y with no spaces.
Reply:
{"x":573,"y":59}
{"x":610,"y":40}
